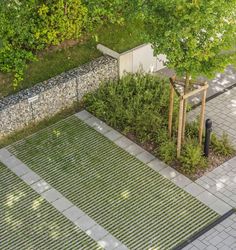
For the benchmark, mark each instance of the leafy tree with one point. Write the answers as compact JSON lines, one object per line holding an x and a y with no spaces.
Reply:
{"x":192,"y":34}
{"x":195,"y":35}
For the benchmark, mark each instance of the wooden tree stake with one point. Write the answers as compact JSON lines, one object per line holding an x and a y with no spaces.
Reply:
{"x":172,"y":91}
{"x":180,"y":126}
{"x":202,"y":115}
{"x":185,"y":103}
{"x":183,"y":97}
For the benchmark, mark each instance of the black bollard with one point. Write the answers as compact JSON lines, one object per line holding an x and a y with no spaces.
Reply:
{"x":208,"y":131}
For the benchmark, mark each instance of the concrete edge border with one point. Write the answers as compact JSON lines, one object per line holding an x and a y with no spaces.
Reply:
{"x":62,"y":204}
{"x":200,"y":193}
{"x":204,"y":230}
{"x":106,"y":51}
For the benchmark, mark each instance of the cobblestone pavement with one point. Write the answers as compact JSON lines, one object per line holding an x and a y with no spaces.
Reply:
{"x":222,"y":182}
{"x":222,"y":237}
{"x":222,"y":111}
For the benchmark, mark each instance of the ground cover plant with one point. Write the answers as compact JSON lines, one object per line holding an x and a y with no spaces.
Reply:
{"x":137,"y":105}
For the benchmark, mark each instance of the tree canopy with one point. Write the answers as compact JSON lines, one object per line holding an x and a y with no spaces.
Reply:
{"x":195,"y":35}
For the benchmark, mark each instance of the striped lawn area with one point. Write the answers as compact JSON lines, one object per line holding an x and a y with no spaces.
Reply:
{"x":27,"y":222}
{"x":135,"y":204}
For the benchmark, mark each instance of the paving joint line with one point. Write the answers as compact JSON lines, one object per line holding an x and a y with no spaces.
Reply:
{"x":62,"y":204}
{"x":196,"y":190}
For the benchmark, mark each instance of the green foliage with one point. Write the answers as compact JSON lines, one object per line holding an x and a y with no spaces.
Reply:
{"x":17,"y":25}
{"x":136,"y":104}
{"x":60,"y":20}
{"x":193,"y":34}
{"x":222,"y":146}
{"x":103,"y":11}
{"x":191,"y":158}
{"x":107,"y":11}
{"x":29,"y":26}
{"x":192,"y":129}
{"x":167,"y":151}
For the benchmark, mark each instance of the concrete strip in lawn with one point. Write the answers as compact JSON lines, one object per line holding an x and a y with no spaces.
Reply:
{"x":57,"y":200}
{"x":141,"y":154}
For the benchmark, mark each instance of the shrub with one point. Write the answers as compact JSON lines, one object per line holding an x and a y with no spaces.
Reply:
{"x":192,"y":158}
{"x":137,"y":104}
{"x":167,"y":151}
{"x":107,"y":11}
{"x":192,"y":129}
{"x":221,"y":146}
{"x":60,"y":20}
{"x":17,"y":25}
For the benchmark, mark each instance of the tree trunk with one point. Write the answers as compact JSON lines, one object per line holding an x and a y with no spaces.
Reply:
{"x":186,"y":89}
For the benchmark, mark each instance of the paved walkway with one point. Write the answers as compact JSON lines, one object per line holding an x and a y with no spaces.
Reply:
{"x":222,"y":182}
{"x":221,"y":237}
{"x":222,"y":111}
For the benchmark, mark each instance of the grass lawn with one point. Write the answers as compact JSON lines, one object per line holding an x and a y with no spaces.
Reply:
{"x":117,"y":37}
{"x":131,"y":201}
{"x":29,"y":222}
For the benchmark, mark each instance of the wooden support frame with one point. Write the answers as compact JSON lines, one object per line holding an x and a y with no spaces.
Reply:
{"x":202,"y":115}
{"x":171,"y":107}
{"x":180,"y":126}
{"x":201,"y":87}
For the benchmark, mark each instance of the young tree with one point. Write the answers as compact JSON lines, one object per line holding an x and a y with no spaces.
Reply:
{"x":195,"y":35}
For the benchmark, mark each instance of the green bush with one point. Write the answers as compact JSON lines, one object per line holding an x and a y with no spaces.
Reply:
{"x":167,"y":151}
{"x":17,"y":26}
{"x":192,"y":158}
{"x":107,"y":11}
{"x":136,"y":104}
{"x":60,"y":20}
{"x":192,"y":129}
{"x":221,"y":146}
